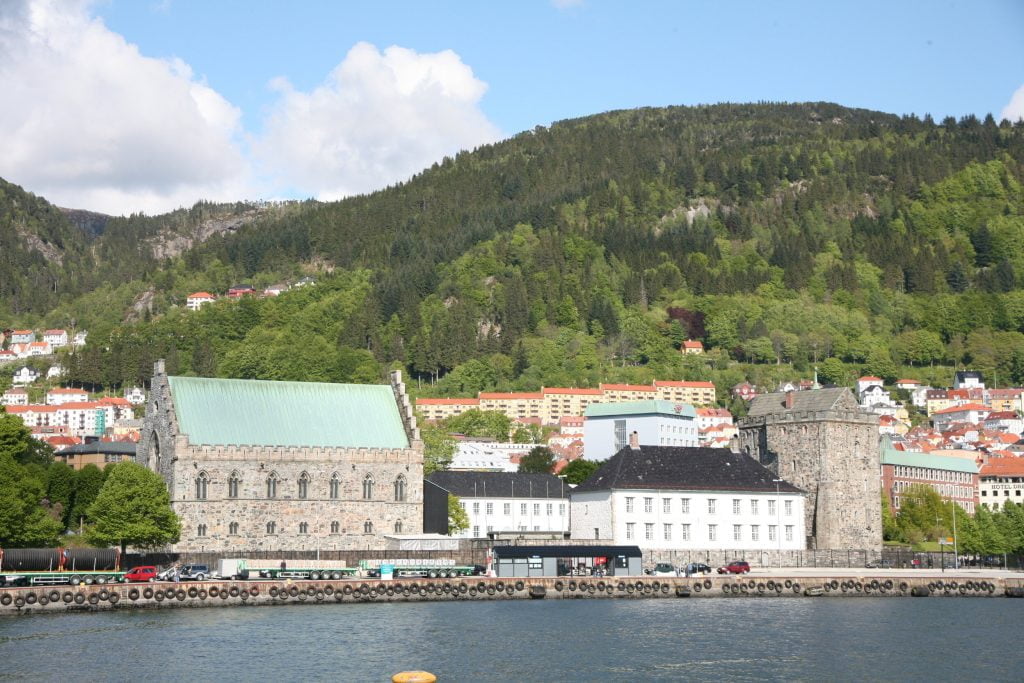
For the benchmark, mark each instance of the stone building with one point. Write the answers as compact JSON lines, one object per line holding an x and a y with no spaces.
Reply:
{"x":257,"y":465}
{"x":823,"y":442}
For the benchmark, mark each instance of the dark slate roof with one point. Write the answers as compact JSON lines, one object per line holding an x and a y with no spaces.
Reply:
{"x":961,"y":375}
{"x":105,"y":447}
{"x":516,"y":551}
{"x":803,"y":401}
{"x":500,"y":484}
{"x":680,"y":468}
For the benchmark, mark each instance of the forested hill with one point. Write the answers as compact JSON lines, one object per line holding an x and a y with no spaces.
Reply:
{"x":584,"y":252}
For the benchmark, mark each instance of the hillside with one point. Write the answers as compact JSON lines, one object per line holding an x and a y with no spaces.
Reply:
{"x":781,"y":235}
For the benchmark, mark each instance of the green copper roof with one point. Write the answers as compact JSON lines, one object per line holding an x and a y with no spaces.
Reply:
{"x":652,"y":407}
{"x":891,"y":456}
{"x":222,"y":412}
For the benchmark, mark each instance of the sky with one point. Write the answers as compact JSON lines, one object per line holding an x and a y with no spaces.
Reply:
{"x":125,"y":106}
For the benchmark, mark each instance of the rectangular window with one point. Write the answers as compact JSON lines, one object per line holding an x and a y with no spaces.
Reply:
{"x":737,"y":532}
{"x":620,"y":435}
{"x":668,"y":532}
{"x":507,"y":509}
{"x":666,"y":506}
{"x":685,"y":502}
{"x":735,"y":506}
{"x":561,"y":509}
{"x":753,"y":506}
{"x":789,"y":507}
{"x":771,"y":507}
{"x":629,"y":504}
{"x":773,"y":533}
{"x":536,"y":508}
{"x":522,"y":510}
{"x":550,"y":509}
{"x":476,"y":532}
{"x":711,"y":506}
{"x":490,"y":508}
{"x":649,"y":532}
{"x":476,"y":508}
{"x":755,"y":533}
{"x":712,"y":532}
{"x":684,"y":532}
{"x":630,"y":531}
{"x":648,"y":505}
{"x":789,"y":532}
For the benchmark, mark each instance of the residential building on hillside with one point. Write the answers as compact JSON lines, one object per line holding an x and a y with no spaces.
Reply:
{"x":864,"y":383}
{"x":823,"y":442}
{"x":135,"y":395}
{"x":1001,"y":481}
{"x":1006,"y":400}
{"x":955,"y":479}
{"x":503,"y":503}
{"x":744,"y":390}
{"x":691,"y":347}
{"x":24,"y":375}
{"x":197,"y":300}
{"x":80,"y":338}
{"x":973,"y":413}
{"x":342,"y":467}
{"x":99,"y":453}
{"x":8,"y":357}
{"x":968,"y":379}
{"x":908,"y":384}
{"x":694,"y":393}
{"x":15,"y":396}
{"x":40,"y":348}
{"x":56,"y":338}
{"x":488,"y":456}
{"x":681,"y":498}
{"x":58,"y":396}
{"x":436,"y":409}
{"x":607,"y":426}
{"x":55,"y":371}
{"x":238,"y":291}
{"x":22,"y":336}
{"x":1005,"y":421}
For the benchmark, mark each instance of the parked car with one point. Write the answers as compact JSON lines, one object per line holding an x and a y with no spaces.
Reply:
{"x":737,"y":567}
{"x":663,"y":569}
{"x":141,"y":574}
{"x":879,"y":564}
{"x":697,"y":568}
{"x":194,"y":572}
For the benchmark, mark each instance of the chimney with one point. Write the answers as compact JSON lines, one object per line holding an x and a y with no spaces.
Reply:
{"x":634,"y":441}
{"x":789,"y":400}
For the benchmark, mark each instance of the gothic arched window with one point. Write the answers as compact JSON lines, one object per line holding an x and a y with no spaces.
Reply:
{"x":368,"y":487}
{"x":304,"y":485}
{"x":398,"y":527}
{"x":335,"y":486}
{"x":272,"y":485}
{"x":201,"y":483}
{"x":367,"y":527}
{"x":233,"y":481}
{"x":400,"y":488}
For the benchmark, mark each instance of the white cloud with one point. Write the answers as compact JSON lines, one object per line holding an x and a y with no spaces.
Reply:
{"x":379,"y":118}
{"x":89,"y":122}
{"x":1014,"y":110}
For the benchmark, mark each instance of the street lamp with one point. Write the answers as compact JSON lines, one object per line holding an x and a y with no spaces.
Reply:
{"x":778,"y":518}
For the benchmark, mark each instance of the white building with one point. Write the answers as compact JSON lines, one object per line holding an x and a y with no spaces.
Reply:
{"x":135,"y":395}
{"x":24,"y":375}
{"x":56,"y":338}
{"x":673,"y":498}
{"x":968,"y":379}
{"x":656,"y":422}
{"x":80,"y":338}
{"x":39,"y":349}
{"x":54,"y":371}
{"x":1005,"y":421}
{"x":56,"y":397}
{"x":1001,"y":481}
{"x":974,"y":413}
{"x":22,"y":336}
{"x":15,"y":396}
{"x":196,"y":301}
{"x":508,"y":502}
{"x":488,"y":456}
{"x":867,"y":381}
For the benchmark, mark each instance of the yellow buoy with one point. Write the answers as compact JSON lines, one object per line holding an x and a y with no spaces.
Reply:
{"x":414,"y":677}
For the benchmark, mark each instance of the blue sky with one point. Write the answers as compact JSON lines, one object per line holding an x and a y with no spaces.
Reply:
{"x":294,"y":99}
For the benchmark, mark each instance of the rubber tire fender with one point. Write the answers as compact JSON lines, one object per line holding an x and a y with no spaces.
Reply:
{"x":79,"y":598}
{"x":133,"y":594}
{"x":147,"y":593}
{"x":54,"y":596}
{"x":519,"y":586}
{"x":114,"y":598}
{"x":30,"y":598}
{"x":6,"y":599}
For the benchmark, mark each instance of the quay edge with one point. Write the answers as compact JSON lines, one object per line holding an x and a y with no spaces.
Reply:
{"x":49,"y":599}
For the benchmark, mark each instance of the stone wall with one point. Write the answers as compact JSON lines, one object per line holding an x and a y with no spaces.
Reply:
{"x":833,"y":456}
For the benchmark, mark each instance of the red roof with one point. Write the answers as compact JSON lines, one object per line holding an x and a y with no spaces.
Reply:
{"x":869,"y":378}
{"x":79,"y":405}
{"x":1003,"y":467}
{"x":55,"y":332}
{"x":38,"y":345}
{"x":34,"y":408}
{"x":447,"y":401}
{"x":500,"y":395}
{"x":1003,"y":415}
{"x":16,"y":390}
{"x":61,"y":390}
{"x":114,"y":401}
{"x":626,"y":387}
{"x":714,"y":412}
{"x":578,"y":392}
{"x":21,"y":331}
{"x":688,"y":344}
{"x":201,"y":295}
{"x":907,"y":381}
{"x":686,"y":385}
{"x":960,"y":409}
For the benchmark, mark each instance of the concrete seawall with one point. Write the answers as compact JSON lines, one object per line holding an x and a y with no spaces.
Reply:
{"x":43,"y":599}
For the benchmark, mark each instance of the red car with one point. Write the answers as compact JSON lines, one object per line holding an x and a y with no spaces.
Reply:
{"x":141,"y":574}
{"x":738,"y":567}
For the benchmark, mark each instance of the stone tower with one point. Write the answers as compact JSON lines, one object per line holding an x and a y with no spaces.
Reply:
{"x":824,"y":443}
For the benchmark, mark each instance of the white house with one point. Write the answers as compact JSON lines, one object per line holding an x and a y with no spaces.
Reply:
{"x":39,"y":349}
{"x":15,"y":396}
{"x":8,"y":357}
{"x":275,"y":290}
{"x":135,"y":395}
{"x":656,"y":422}
{"x":59,"y":396}
{"x":968,"y":379}
{"x":22,"y":336}
{"x":54,"y":371}
{"x":56,"y":338}
{"x":676,"y":498}
{"x":1005,"y":421}
{"x":507,"y":502}
{"x":25,"y":375}
{"x":867,"y":381}
{"x":908,"y":384}
{"x":975,"y":413}
{"x":80,"y":338}
{"x":919,"y":396}
{"x":196,"y":301}
{"x":488,"y":456}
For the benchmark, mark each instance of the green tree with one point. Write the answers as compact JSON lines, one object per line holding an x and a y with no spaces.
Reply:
{"x":833,"y":371}
{"x":133,"y":508}
{"x":458,"y":519}
{"x":60,"y":488}
{"x":15,"y":438}
{"x":88,"y":482}
{"x":540,"y":460}
{"x":438,"y":448}
{"x":579,"y":470}
{"x":890,"y":529}
{"x":486,"y":423}
{"x":24,"y":522}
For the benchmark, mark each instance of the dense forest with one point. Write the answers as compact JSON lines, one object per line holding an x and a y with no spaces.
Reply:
{"x":784,"y":236}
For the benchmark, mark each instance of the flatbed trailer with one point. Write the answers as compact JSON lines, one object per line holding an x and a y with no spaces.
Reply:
{"x":418,"y":568}
{"x":312,"y":574}
{"x":60,"y":578}
{"x":59,"y":566}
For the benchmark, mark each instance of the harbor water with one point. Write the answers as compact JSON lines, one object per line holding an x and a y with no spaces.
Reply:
{"x":599,"y":640}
